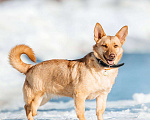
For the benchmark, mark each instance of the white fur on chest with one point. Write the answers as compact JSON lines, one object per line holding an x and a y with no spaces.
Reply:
{"x":101,"y":82}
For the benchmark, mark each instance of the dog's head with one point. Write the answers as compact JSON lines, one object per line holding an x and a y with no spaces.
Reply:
{"x":109,"y":48}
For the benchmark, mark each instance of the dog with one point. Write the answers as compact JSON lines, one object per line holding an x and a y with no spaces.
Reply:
{"x":87,"y":78}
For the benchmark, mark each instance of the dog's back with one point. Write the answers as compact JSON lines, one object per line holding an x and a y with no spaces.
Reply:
{"x":53,"y":76}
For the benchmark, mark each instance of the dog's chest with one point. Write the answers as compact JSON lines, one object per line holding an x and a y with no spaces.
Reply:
{"x":102,"y":82}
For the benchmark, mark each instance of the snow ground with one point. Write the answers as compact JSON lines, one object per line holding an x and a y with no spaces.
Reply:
{"x":116,"y":110}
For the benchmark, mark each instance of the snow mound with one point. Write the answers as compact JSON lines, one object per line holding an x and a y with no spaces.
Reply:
{"x":141,"y":97}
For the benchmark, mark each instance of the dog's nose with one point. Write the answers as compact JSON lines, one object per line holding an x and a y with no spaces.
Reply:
{"x":112,"y":56}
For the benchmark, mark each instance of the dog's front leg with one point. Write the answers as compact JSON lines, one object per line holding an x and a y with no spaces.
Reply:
{"x":101,"y":105}
{"x":79,"y":100}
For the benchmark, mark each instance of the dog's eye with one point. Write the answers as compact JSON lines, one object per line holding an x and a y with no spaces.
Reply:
{"x":104,"y":46}
{"x":115,"y":46}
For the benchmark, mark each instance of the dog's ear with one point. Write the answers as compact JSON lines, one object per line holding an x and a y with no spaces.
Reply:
{"x":122,"y":34}
{"x":98,"y":32}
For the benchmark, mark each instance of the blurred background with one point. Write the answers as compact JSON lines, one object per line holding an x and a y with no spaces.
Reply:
{"x":64,"y":29}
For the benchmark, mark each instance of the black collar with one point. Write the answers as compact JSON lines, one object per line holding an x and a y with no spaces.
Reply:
{"x":106,"y":65}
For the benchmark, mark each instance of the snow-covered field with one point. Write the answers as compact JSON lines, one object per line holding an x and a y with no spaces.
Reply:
{"x":65,"y":30}
{"x":116,"y":110}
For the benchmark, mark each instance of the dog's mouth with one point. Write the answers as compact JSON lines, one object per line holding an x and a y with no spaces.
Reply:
{"x":109,"y":61}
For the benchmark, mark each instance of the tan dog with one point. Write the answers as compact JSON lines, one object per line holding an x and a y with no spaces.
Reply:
{"x":80,"y":79}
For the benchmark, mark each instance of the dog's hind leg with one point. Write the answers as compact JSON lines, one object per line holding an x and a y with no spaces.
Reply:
{"x":31,"y":107}
{"x":28,"y":98}
{"x":36,"y":103}
{"x":28,"y":112}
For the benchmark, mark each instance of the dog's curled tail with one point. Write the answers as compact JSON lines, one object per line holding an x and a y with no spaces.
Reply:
{"x":15,"y":60}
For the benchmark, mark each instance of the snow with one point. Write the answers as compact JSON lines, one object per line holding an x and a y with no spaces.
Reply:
{"x":65,"y":30}
{"x":141,"y":98}
{"x":116,"y":110}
